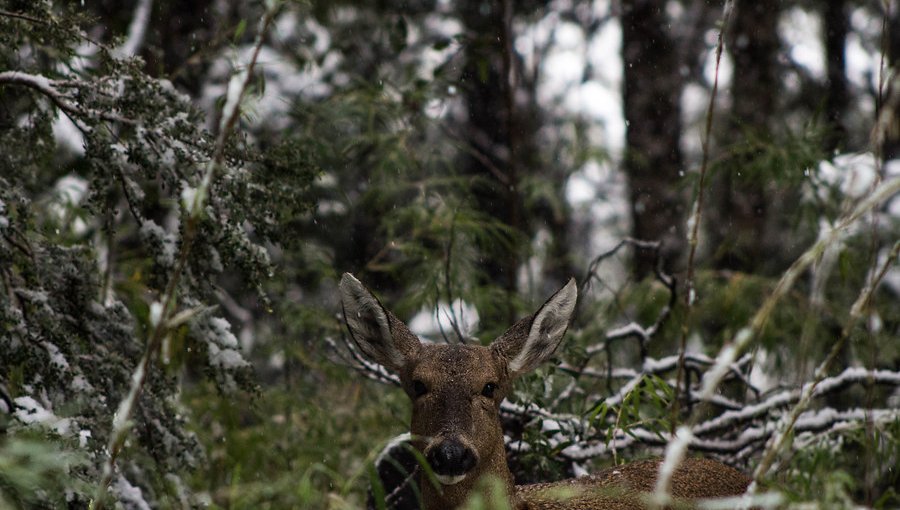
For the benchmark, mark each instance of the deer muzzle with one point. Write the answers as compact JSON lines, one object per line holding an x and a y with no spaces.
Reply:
{"x":451,"y":460}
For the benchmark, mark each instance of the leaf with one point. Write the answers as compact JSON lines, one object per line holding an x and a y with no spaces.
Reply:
{"x":398,"y":34}
{"x":239,"y":31}
{"x":186,"y":315}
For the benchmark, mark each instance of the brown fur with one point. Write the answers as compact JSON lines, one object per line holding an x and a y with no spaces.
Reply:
{"x":454,"y":408}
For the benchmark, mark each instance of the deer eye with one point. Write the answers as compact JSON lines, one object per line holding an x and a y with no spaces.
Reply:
{"x":419,"y":388}
{"x":488,"y":390}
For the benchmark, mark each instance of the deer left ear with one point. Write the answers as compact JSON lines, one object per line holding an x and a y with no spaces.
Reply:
{"x":379,"y":335}
{"x":532,"y":340}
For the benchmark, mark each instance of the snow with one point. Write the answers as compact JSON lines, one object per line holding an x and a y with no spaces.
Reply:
{"x":284,"y":81}
{"x":429,"y":322}
{"x":80,"y":384}
{"x":221,"y":344}
{"x":188,"y":196}
{"x":222,"y":330}
{"x":71,"y":189}
{"x":56,"y":357}
{"x":67,"y":136}
{"x":598,"y":195}
{"x":726,"y":65}
{"x":861,"y":64}
{"x":227,"y":359}
{"x":163,"y":243}
{"x":801,"y":31}
{"x":156,"y":309}
{"x":4,"y":221}
{"x":723,"y":363}
{"x":29,"y":411}
{"x":136,"y":30}
{"x":853,"y":174}
{"x":130,"y":496}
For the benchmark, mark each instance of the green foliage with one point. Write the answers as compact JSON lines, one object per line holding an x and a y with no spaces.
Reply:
{"x":257,"y":458}
{"x":36,"y":470}
{"x":247,"y":405}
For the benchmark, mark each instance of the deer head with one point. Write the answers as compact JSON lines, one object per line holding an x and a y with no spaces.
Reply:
{"x":456,"y":390}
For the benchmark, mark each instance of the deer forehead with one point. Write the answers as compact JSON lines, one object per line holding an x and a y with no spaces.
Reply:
{"x":472,"y":364}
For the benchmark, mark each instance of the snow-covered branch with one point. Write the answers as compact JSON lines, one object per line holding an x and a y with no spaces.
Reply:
{"x":53,"y":90}
{"x":749,"y":440}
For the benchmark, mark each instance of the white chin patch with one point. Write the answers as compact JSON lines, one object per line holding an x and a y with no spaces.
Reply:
{"x":449,"y":480}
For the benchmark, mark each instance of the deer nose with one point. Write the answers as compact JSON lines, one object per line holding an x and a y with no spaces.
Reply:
{"x":451,"y":458}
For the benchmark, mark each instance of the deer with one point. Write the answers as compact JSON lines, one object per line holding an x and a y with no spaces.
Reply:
{"x":456,"y":391}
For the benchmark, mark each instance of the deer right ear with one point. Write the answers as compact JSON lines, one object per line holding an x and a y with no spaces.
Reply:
{"x":379,"y":335}
{"x":532,"y":340}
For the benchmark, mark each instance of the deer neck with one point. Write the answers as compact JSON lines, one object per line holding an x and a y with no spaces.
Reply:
{"x":450,"y":497}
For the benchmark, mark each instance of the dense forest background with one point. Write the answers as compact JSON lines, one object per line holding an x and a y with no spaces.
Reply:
{"x":183,"y":183}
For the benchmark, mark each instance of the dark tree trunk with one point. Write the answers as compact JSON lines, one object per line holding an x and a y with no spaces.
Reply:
{"x":739,"y":199}
{"x":837,"y":24}
{"x":490,"y":129}
{"x":653,"y":158}
{"x":891,"y":147}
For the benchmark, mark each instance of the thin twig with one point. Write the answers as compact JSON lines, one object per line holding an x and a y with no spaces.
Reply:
{"x":694,"y":220}
{"x":454,"y":320}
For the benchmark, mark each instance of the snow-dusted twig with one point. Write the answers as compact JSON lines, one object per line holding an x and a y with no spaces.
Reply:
{"x":747,"y":334}
{"x":856,"y":312}
{"x":675,"y":452}
{"x":359,"y":363}
{"x":162,"y":312}
{"x":749,"y":439}
{"x":783,"y":399}
{"x":656,"y":368}
{"x":632,"y":330}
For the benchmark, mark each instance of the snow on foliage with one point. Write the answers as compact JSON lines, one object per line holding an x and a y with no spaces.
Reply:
{"x":161,"y":243}
{"x":222,"y":350}
{"x":131,"y":497}
{"x":30,"y":411}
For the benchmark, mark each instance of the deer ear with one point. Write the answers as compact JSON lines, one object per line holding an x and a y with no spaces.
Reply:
{"x":532,"y":340}
{"x":378,"y":334}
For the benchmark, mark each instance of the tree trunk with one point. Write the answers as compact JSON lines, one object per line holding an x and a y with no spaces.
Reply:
{"x":653,"y":159}
{"x":837,"y":24}
{"x":891,"y":147}
{"x":738,"y":230}
{"x":489,"y":129}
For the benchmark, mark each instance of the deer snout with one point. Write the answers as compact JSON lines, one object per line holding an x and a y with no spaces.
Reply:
{"x":450,"y":460}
